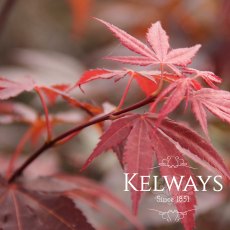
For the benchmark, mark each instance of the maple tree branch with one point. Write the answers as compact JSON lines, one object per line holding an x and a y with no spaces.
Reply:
{"x":5,"y":12}
{"x":18,"y":152}
{"x":50,"y":144}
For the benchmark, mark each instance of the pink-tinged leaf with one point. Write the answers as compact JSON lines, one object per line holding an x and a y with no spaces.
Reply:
{"x":216,"y":101}
{"x":164,"y":148}
{"x":119,"y":130}
{"x":100,"y":74}
{"x":138,"y":158}
{"x":160,"y":52}
{"x":10,"y":88}
{"x":209,"y":77}
{"x":182,"y":56}
{"x":176,"y":91}
{"x":142,"y":61}
{"x":200,"y":114}
{"x":159,"y":40}
{"x":194,"y":146}
{"x":129,"y":41}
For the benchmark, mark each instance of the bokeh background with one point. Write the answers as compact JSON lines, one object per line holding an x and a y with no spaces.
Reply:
{"x":56,"y":41}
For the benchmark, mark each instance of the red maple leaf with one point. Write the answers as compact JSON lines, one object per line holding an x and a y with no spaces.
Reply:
{"x":209,"y":77}
{"x":159,"y":53}
{"x":215,"y":101}
{"x":147,"y":80}
{"x":50,"y":202}
{"x":176,"y":92}
{"x":139,"y":141}
{"x":22,"y":209}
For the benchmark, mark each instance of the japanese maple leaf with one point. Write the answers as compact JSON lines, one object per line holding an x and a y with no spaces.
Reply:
{"x":89,"y":193}
{"x":159,"y":51}
{"x":209,"y":77}
{"x":10,"y":88}
{"x":21,"y":209}
{"x":215,"y":101}
{"x":147,"y":80}
{"x":139,"y":141}
{"x":175,"y":93}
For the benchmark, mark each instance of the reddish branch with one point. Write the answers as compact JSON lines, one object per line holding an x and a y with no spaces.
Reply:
{"x":52,"y":143}
{"x":5,"y":12}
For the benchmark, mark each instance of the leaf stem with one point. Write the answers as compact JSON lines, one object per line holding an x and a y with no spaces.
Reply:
{"x":125,"y":92}
{"x":51,"y":143}
{"x":48,"y":125}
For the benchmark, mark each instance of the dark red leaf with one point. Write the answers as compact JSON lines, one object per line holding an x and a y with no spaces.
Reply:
{"x":84,"y":191}
{"x":22,"y":210}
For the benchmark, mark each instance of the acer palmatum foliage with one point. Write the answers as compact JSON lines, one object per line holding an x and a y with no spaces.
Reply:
{"x":137,"y":139}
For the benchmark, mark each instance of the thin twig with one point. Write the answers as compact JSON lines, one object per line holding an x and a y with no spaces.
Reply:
{"x":45,"y":108}
{"x":52,"y":143}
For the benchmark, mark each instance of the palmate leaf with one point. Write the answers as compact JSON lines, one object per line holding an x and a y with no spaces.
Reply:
{"x":87,"y":193}
{"x":139,"y":140}
{"x":209,"y":77}
{"x":215,"y":101}
{"x":130,"y":42}
{"x":160,"y":52}
{"x":176,"y":92}
{"x":50,"y":203}
{"x":148,"y":81}
{"x":21,"y":209}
